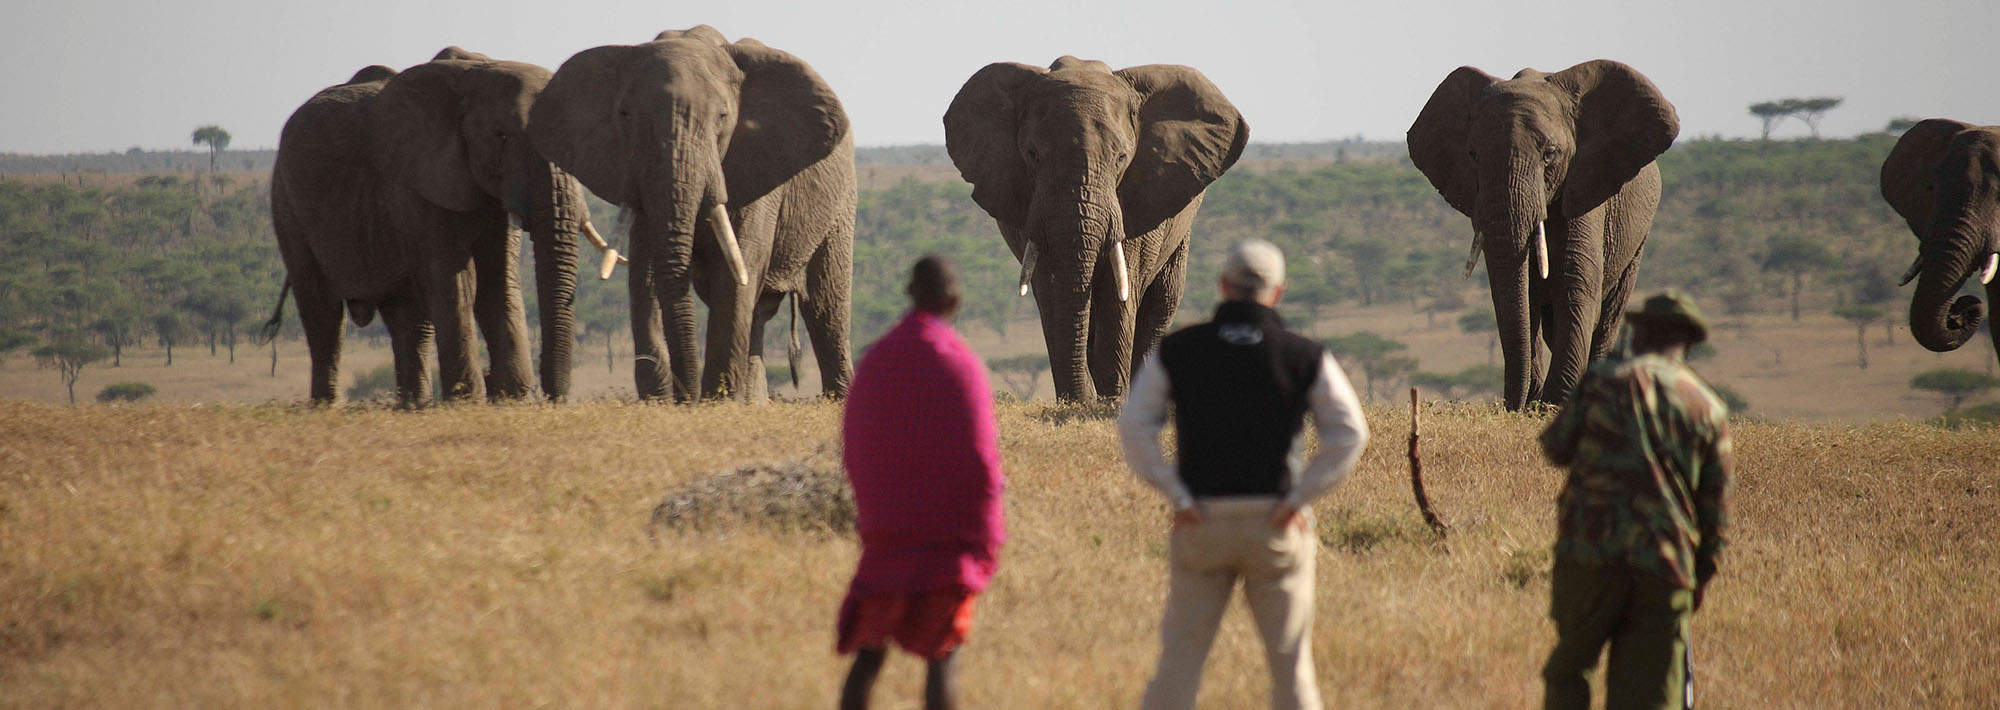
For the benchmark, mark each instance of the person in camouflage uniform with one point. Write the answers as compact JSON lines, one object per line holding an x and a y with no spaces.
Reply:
{"x":1641,"y":516}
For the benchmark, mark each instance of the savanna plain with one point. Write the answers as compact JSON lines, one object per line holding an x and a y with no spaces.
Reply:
{"x":175,"y":555}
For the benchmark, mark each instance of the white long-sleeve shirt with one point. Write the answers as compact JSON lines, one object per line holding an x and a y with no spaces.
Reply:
{"x":1336,"y":415}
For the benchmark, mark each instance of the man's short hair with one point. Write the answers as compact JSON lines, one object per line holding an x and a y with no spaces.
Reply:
{"x":1255,"y":269}
{"x":934,"y":285}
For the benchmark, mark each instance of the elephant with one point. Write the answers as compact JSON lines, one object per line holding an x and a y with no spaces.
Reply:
{"x":394,"y":192}
{"x":1094,"y":177}
{"x":1943,"y":177}
{"x":1557,"y":174}
{"x":735,"y":164}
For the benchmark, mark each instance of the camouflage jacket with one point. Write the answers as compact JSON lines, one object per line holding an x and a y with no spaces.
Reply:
{"x":1647,"y":446}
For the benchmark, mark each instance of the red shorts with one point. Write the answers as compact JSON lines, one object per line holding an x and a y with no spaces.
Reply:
{"x":929,"y":624}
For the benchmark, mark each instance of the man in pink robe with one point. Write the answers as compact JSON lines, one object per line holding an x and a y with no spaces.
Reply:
{"x":923,"y":455}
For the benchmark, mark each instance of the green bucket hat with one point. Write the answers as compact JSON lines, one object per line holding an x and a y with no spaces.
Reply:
{"x":1671,"y":306}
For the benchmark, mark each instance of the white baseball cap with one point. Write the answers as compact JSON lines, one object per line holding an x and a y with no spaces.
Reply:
{"x":1254,"y":266}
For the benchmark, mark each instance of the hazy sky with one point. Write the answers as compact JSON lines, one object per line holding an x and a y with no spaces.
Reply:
{"x":103,"y":75}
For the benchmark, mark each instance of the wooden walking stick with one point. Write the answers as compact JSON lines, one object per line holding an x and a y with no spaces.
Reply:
{"x":1417,"y":474}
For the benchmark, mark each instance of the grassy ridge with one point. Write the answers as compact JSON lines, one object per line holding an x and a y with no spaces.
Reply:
{"x":168,"y":556}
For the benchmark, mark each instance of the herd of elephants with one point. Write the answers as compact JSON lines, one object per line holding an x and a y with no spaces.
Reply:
{"x":733,"y":165}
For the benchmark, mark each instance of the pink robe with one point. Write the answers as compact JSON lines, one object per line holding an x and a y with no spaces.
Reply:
{"x":923,"y":455}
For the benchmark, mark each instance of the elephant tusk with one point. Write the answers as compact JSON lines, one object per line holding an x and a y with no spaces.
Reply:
{"x":1027,"y":265}
{"x":611,"y":256}
{"x":1472,"y":259}
{"x":1541,"y":250}
{"x":596,"y":240}
{"x":611,"y":261}
{"x":732,"y":252}
{"x":1915,"y":266}
{"x":1992,"y":265}
{"x":1118,"y":270}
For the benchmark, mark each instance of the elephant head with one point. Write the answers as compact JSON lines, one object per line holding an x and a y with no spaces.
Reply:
{"x":1515,"y":154}
{"x":1071,"y":160}
{"x":454,"y":131}
{"x":681,"y":130}
{"x":1943,"y":177}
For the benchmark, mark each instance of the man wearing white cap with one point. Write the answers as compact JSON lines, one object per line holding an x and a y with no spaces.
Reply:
{"x":1240,"y":487}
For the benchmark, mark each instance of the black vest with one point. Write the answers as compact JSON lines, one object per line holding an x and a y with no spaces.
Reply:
{"x":1239,"y":384}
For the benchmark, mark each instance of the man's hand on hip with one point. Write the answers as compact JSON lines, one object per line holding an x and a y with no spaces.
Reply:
{"x":1287,"y":515}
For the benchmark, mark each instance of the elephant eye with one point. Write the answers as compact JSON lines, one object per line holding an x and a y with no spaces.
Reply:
{"x":1549,"y":154}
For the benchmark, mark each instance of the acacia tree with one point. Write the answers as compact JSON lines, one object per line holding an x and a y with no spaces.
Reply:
{"x":1375,"y":355}
{"x":69,"y":355}
{"x":1861,"y":316}
{"x":1022,"y":373}
{"x":1955,"y":384}
{"x":1482,"y":321}
{"x":1812,"y":109}
{"x":215,"y":138}
{"x":1797,"y":257}
{"x":1770,"y":112}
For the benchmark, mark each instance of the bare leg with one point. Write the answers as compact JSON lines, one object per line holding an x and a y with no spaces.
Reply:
{"x":939,"y":682}
{"x":861,"y":678}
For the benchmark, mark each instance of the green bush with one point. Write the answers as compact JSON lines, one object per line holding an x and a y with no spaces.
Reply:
{"x":125,"y":392}
{"x":373,"y":383}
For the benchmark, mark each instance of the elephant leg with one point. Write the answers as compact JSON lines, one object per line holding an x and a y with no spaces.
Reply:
{"x":410,"y":334}
{"x":650,"y":372}
{"x":1616,"y":292}
{"x":496,"y":256}
{"x":731,"y":306}
{"x":1157,"y":306}
{"x":320,"y":315}
{"x":1575,"y":300}
{"x":1110,"y":346}
{"x":449,"y":290}
{"x":757,"y":382}
{"x":825,"y":310}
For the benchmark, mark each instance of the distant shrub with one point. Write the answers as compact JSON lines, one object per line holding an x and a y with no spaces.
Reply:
{"x":125,"y":392}
{"x":1736,"y":402}
{"x":373,"y":383}
{"x":1987,"y":414}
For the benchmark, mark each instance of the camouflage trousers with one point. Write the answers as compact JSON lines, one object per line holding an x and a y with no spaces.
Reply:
{"x":1645,"y":621}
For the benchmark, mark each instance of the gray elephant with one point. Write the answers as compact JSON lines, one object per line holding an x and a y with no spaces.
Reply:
{"x":1094,"y":177}
{"x":1943,"y":177}
{"x":737,"y":167}
{"x":1556,"y":172}
{"x":393,"y":192}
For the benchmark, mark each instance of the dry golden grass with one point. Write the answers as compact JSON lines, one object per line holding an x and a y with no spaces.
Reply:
{"x":269,"y":556}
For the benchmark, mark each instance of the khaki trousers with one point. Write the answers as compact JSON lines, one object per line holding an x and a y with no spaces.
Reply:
{"x":1235,"y":541}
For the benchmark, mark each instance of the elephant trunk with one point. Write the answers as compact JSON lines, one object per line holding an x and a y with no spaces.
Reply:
{"x":554,"y":235}
{"x":1516,"y":255}
{"x":1071,"y":243}
{"x":1960,"y":246}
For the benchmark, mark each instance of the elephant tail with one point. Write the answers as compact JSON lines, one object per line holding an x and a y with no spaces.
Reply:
{"x":269,"y":330}
{"x":794,"y":353}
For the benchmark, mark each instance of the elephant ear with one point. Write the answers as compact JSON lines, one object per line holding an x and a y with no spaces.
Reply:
{"x":788,"y":119}
{"x":1189,"y":135}
{"x":704,"y":33}
{"x":574,"y":122}
{"x":418,"y":139}
{"x":1437,"y":141}
{"x":1623,"y":122}
{"x":980,"y":130}
{"x":369,"y":74}
{"x":1909,"y":175}
{"x":458,"y":53}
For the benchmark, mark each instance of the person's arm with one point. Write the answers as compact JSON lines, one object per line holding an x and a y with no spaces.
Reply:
{"x":1139,"y":425}
{"x":1342,"y":432}
{"x":1711,"y":504}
